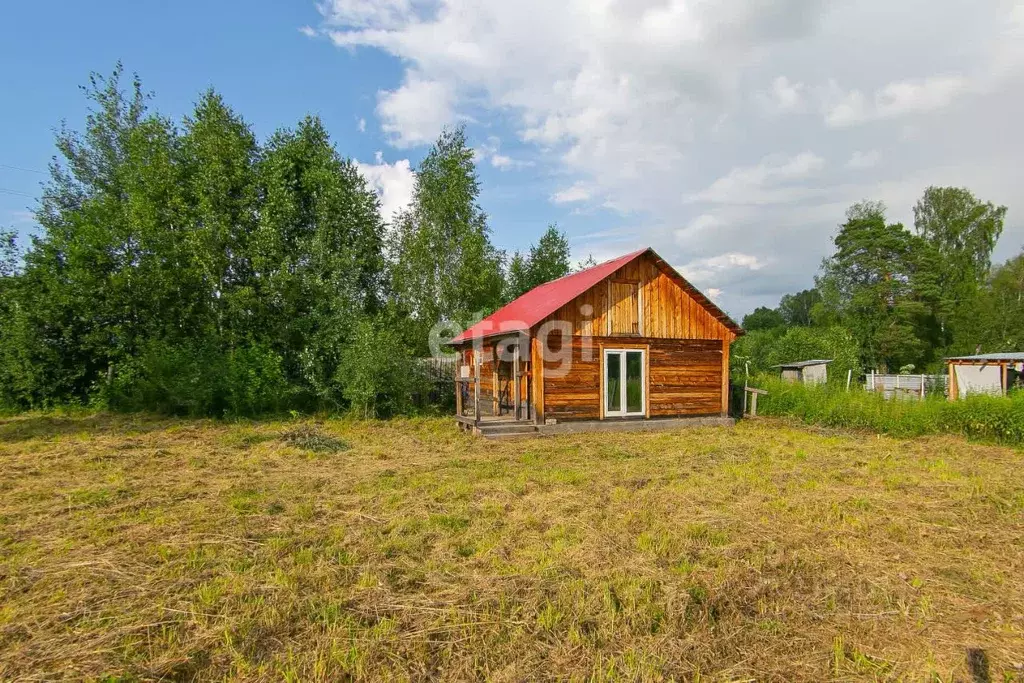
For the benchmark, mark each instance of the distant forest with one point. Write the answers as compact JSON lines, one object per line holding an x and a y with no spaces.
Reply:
{"x":895,"y":300}
{"x":187,"y":267}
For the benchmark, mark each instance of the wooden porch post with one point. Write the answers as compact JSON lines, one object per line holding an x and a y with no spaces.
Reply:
{"x":951,"y":384}
{"x":476,"y":389}
{"x":537,"y":360}
{"x":458,"y":389}
{"x":515,"y":377}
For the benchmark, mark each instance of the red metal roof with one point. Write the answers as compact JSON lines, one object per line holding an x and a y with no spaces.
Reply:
{"x":540,"y":302}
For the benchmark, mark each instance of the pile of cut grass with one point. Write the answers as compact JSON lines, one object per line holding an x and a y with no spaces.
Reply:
{"x":133,"y":548}
{"x":994,"y":419}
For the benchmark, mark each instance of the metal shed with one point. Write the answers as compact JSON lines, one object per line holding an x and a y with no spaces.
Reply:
{"x":805,"y":371}
{"x":986,"y":373}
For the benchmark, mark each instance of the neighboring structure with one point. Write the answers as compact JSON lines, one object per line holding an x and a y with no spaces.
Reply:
{"x":629,"y":339}
{"x":805,"y":371}
{"x":987,"y":373}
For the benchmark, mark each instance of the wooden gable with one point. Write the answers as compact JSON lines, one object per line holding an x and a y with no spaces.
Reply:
{"x":664,"y":306}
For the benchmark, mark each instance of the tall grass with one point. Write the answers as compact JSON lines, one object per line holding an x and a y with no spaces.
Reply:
{"x":987,"y":418}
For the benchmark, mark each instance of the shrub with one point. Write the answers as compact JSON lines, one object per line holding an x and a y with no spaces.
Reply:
{"x":378,"y":375}
{"x":989,"y":418}
{"x":763,"y":349}
{"x":200,"y":380}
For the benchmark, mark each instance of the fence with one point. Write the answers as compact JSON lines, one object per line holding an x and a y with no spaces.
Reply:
{"x":906,"y":386}
{"x":440,"y":369}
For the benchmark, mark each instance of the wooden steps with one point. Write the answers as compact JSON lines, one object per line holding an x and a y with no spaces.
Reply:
{"x":506,"y":430}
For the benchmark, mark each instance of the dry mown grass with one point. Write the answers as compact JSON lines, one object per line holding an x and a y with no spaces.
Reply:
{"x":148,"y":549}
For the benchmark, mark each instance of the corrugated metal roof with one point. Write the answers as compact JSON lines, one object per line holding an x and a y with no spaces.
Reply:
{"x":1011,"y":356}
{"x":540,"y":302}
{"x":801,"y":364}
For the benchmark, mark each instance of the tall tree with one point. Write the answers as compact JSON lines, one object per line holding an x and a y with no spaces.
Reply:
{"x":796,"y":308}
{"x":962,"y":230}
{"x":446,"y":268}
{"x":316,"y":254}
{"x":763,"y":318}
{"x":1002,"y":307}
{"x":877,"y":285}
{"x":546,"y":261}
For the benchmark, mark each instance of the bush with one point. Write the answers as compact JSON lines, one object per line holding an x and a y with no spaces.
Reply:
{"x":989,"y":418}
{"x":763,"y":349}
{"x":378,"y":375}
{"x":200,"y":380}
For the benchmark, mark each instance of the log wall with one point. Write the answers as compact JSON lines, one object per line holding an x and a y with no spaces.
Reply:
{"x":685,"y":377}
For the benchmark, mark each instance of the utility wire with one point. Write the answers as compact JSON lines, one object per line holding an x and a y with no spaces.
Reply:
{"x":22,"y":168}
{"x":4,"y":190}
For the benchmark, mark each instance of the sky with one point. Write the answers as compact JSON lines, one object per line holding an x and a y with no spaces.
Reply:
{"x":730,"y":135}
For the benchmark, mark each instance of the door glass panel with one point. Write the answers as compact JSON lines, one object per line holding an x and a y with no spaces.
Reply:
{"x":613,"y":389}
{"x":634,"y":382}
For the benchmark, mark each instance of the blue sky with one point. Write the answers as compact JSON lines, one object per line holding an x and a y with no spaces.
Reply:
{"x":255,"y":55}
{"x":731,"y":136}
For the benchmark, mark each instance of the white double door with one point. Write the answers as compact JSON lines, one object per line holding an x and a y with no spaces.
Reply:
{"x":624,"y":382}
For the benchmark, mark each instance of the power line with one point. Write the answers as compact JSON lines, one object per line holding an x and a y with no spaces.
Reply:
{"x":22,"y":168}
{"x":4,"y":190}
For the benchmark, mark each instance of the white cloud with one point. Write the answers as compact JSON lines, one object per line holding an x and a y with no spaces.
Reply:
{"x":393,"y":183}
{"x":784,"y":96}
{"x":896,"y":99}
{"x":416,"y":112}
{"x":490,"y":152}
{"x":578,"y":192}
{"x":361,"y":125}
{"x":656,"y":110}
{"x":862,"y":160}
{"x":752,"y":184}
{"x":308,"y":31}
{"x":705,"y":270}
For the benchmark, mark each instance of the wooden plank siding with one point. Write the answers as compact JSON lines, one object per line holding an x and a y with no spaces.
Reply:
{"x":684,"y":377}
{"x":667,"y":311}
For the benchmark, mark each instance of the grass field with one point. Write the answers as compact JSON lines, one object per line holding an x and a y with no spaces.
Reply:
{"x":138,"y":548}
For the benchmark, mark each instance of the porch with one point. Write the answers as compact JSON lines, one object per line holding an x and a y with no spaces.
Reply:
{"x":494,"y":388}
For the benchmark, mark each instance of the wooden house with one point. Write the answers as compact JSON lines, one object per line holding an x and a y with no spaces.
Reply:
{"x":626,"y":341}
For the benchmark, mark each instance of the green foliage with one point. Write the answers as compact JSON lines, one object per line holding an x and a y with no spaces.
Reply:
{"x":988,"y":418}
{"x":767,"y":348}
{"x":763,"y":318}
{"x":446,"y":268}
{"x":546,"y":261}
{"x":8,"y":255}
{"x":1001,"y":307}
{"x":797,"y":310}
{"x":191,"y":269}
{"x":962,"y":232}
{"x":197,"y":379}
{"x":878,"y":283}
{"x":378,"y":375}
